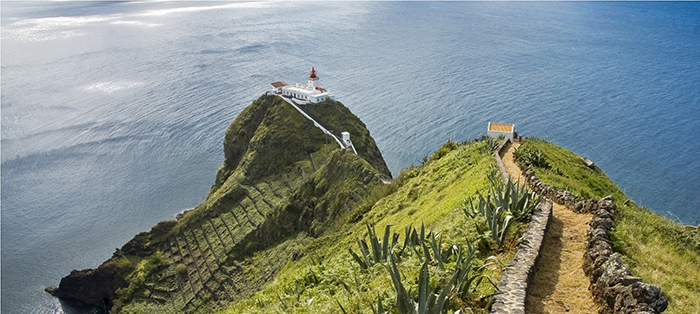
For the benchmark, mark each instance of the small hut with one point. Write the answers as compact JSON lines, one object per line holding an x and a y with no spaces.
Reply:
{"x":497,"y":130}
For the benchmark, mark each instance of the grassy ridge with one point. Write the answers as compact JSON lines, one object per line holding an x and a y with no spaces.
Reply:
{"x":326,"y":275}
{"x":659,"y":250}
{"x":274,"y":232}
{"x":266,"y":137}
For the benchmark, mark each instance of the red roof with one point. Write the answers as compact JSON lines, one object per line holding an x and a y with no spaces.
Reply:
{"x":313,"y":73}
{"x":501,"y":127}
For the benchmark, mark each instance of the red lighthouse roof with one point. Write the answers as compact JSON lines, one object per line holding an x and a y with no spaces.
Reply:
{"x":313,"y":73}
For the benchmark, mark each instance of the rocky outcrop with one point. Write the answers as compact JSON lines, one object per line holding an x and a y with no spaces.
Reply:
{"x":274,"y":183}
{"x":93,"y":286}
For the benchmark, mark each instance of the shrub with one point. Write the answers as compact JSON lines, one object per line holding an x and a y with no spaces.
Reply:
{"x":445,"y":149}
{"x":427,"y":301}
{"x":181,"y":270}
{"x":532,"y":157}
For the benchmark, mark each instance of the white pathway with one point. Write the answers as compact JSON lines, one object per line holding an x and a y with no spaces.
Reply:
{"x":318,"y":125}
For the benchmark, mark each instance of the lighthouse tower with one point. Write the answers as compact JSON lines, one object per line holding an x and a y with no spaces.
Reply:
{"x":313,"y":79}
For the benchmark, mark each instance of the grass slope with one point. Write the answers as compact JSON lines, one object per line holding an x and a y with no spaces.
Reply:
{"x":338,"y":118}
{"x":661,"y":251}
{"x":324,"y":274}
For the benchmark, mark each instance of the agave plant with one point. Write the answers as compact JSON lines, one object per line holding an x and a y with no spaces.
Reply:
{"x":491,"y":144}
{"x":380,"y":308}
{"x":496,"y":222}
{"x":439,"y":254}
{"x":380,"y":249}
{"x":428,"y":302}
{"x":531,"y":157}
{"x":473,"y":211}
{"x":522,"y":201}
{"x":505,"y":203}
{"x":422,"y":244}
{"x":496,"y":218}
{"x":468,"y":277}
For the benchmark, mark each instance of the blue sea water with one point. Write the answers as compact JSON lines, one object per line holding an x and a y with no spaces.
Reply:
{"x":113,"y":113}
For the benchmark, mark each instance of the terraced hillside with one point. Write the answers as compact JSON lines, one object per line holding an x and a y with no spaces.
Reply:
{"x":272,"y":192}
{"x":204,"y":247}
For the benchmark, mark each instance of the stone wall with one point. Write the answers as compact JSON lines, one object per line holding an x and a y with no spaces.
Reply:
{"x":502,"y":148}
{"x":518,"y":275}
{"x":562,"y":197}
{"x":612,"y":283}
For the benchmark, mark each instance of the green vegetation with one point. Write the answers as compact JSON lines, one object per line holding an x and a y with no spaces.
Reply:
{"x":328,"y":278}
{"x":266,"y":137}
{"x":270,"y":135}
{"x":427,"y":302}
{"x":380,"y":249}
{"x":505,"y":204}
{"x":661,"y":251}
{"x":144,"y":269}
{"x":338,"y":118}
{"x":292,"y":236}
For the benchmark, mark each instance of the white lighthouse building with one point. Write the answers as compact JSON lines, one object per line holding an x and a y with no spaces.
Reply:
{"x":312,"y":92}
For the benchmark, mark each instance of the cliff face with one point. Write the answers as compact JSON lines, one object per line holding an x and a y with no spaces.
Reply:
{"x":93,"y":286}
{"x":282,"y":177}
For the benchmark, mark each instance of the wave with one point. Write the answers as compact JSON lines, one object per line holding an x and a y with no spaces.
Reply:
{"x":110,"y":86}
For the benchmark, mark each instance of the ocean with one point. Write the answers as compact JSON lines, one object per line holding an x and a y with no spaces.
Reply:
{"x":113,"y":113}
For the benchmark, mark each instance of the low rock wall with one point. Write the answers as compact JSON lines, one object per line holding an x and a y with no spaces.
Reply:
{"x":498,"y":154}
{"x":561,"y":197}
{"x":519,"y":274}
{"x":612,"y":283}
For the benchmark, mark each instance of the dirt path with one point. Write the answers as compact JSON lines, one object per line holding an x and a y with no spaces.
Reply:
{"x":559,"y":285}
{"x":512,"y":168}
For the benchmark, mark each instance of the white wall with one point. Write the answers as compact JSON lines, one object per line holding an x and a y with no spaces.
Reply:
{"x":497,"y":134}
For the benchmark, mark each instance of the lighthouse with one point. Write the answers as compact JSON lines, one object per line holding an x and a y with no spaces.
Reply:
{"x":312,"y":92}
{"x":313,"y":79}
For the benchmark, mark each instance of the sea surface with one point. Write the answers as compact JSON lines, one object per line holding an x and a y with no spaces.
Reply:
{"x":113,"y":113}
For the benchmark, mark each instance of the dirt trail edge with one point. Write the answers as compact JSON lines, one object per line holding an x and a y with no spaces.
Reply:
{"x":559,"y":285}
